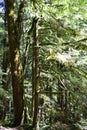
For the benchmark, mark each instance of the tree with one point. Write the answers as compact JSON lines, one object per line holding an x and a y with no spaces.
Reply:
{"x":14,"y":35}
{"x":35,"y":73}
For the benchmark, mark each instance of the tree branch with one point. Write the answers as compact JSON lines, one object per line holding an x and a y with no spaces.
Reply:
{"x":81,"y":40}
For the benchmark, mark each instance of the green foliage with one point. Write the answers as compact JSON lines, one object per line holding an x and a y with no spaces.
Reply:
{"x":62,"y":39}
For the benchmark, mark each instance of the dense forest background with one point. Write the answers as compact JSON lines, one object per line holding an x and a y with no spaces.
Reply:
{"x":43,"y":64}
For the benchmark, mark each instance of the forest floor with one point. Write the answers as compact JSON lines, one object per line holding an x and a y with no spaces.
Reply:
{"x":7,"y":128}
{"x":57,"y":127}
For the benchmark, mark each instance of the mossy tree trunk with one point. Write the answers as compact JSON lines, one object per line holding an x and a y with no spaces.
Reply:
{"x":14,"y":35}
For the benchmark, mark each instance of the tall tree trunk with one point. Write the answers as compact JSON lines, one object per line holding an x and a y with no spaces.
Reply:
{"x":16,"y":68}
{"x":35,"y":73}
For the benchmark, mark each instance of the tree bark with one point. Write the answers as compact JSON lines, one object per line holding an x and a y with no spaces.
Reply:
{"x":16,"y":68}
{"x":35,"y":73}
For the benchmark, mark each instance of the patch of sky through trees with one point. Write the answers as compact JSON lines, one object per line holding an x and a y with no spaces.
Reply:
{"x":2,"y":7}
